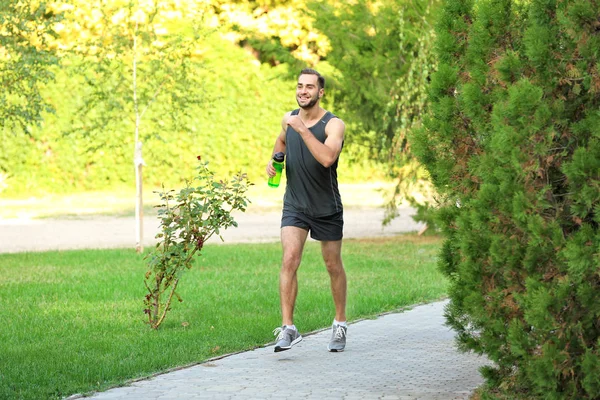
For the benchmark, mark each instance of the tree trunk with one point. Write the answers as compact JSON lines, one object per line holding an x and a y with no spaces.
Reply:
{"x":139,"y":203}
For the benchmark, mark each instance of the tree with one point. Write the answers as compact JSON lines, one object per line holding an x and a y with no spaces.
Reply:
{"x":512,"y":144}
{"x":381,"y":52}
{"x":276,"y":31}
{"x":25,"y":29}
{"x":276,"y":38}
{"x":373,"y":45}
{"x":145,"y":51}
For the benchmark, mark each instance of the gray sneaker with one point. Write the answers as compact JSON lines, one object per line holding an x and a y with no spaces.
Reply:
{"x":338,"y":338}
{"x":286,"y":338}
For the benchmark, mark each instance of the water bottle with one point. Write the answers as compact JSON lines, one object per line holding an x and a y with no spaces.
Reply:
{"x":278,"y":165}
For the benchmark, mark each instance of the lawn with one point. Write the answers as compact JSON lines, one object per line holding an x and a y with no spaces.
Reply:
{"x":73,"y":321}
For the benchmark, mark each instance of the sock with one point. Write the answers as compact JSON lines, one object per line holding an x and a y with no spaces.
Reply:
{"x":344,"y":324}
{"x":291,"y":327}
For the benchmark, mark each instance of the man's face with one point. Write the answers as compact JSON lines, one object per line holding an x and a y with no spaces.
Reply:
{"x":307,"y":91}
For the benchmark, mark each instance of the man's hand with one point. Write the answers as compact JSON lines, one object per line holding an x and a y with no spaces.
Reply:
{"x":270,"y":169}
{"x":295,"y":122}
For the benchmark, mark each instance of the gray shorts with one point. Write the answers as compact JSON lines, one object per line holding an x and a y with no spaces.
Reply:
{"x":327,"y":228}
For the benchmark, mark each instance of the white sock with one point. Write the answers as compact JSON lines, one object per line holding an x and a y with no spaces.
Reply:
{"x":344,"y":324}
{"x":291,"y":327}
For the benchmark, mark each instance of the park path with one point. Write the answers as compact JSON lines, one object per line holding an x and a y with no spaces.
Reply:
{"x":19,"y":235}
{"x":407,"y":355}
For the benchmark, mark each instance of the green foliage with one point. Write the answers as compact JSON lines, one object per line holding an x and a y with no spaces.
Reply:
{"x":380,"y":82}
{"x":276,"y":31}
{"x":512,"y":146}
{"x":25,"y":58}
{"x":83,"y":149}
{"x":140,"y":70}
{"x":187,"y":220}
{"x":200,"y":90}
{"x":91,"y":150}
{"x":376,"y":61}
{"x":382,"y":69}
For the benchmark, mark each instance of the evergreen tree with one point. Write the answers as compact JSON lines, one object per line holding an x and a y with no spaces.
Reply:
{"x":512,"y":144}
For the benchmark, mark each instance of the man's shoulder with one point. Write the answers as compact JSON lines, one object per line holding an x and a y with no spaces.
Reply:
{"x":334,"y":120}
{"x":331,"y":116}
{"x":334,"y":126}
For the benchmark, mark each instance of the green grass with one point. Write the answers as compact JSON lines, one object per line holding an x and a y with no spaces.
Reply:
{"x":73,"y":322}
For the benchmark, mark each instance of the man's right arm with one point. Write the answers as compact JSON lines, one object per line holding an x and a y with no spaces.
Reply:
{"x":279,"y":144}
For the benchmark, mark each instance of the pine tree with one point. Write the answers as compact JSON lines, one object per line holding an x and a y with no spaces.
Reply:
{"x":512,"y":144}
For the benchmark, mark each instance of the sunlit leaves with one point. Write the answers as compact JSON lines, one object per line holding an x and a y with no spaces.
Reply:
{"x":25,"y":55}
{"x":286,"y":21}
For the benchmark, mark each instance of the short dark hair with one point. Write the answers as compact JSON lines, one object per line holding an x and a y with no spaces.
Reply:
{"x":310,"y":71}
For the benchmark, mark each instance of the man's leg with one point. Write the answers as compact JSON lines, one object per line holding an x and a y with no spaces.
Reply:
{"x":332,"y":255}
{"x":333,"y":260}
{"x":292,"y":240}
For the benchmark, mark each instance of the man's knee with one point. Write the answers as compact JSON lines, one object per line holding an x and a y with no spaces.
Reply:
{"x":334,"y":264}
{"x":291,"y":261}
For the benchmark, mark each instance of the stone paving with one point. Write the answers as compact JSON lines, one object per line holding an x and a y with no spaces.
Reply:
{"x":406,"y":355}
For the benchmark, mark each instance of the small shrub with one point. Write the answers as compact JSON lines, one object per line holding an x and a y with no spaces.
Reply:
{"x":187,"y":220}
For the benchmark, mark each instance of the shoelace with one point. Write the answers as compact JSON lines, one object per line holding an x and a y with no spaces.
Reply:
{"x":339,"y":333}
{"x":278,"y":332}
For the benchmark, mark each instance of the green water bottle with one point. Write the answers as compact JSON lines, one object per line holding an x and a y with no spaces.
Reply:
{"x":278,"y":165}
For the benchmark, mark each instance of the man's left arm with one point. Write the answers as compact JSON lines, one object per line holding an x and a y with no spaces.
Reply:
{"x":325,"y":153}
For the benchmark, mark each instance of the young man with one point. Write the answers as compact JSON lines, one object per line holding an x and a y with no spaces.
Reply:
{"x":312,"y":139}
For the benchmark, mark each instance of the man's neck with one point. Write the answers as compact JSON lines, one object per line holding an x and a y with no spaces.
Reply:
{"x":311,"y":114}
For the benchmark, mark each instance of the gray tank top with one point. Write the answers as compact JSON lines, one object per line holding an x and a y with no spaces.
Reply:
{"x":311,"y":188}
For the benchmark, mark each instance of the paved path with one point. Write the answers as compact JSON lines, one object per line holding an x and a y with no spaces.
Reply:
{"x":109,"y":232}
{"x":408,"y":355}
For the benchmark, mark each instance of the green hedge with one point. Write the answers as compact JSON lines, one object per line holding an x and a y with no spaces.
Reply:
{"x":513,"y":145}
{"x":88,"y":145}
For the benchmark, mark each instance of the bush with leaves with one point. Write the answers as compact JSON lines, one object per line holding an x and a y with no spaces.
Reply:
{"x":187,"y":220}
{"x":513,"y":144}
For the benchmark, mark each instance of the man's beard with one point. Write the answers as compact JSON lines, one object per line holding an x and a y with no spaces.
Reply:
{"x":310,"y":104}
